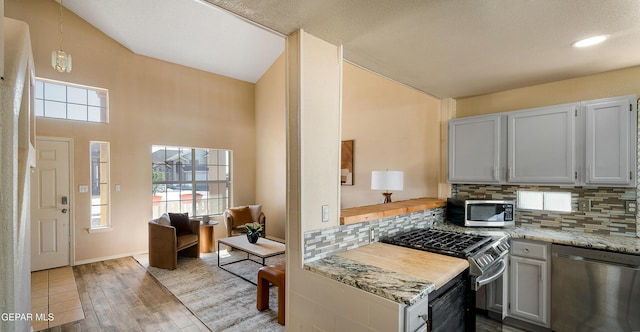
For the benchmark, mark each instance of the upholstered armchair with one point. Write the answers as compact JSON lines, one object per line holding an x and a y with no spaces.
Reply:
{"x":171,"y":235}
{"x":236,"y":217}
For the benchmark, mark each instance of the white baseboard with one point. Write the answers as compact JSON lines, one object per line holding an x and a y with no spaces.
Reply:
{"x":106,"y":258}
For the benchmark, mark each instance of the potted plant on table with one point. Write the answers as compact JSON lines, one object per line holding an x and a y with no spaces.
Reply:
{"x":254,"y":231}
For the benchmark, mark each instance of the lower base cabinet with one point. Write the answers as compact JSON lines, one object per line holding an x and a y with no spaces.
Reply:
{"x":529,"y":284}
{"x":528,"y":291}
{"x":523,"y":292}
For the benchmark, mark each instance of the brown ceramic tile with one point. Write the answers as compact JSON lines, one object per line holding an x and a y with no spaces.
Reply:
{"x":39,"y":302}
{"x":58,"y":307}
{"x":67,"y":317}
{"x":38,"y":293}
{"x":63,"y":297}
{"x":40,"y":309}
{"x":61,"y":281}
{"x":39,"y":285}
{"x":61,"y":272}
{"x":39,"y":325}
{"x":62,"y":289}
{"x":39,"y":276}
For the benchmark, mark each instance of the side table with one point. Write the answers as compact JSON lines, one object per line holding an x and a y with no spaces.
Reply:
{"x":207,"y":236}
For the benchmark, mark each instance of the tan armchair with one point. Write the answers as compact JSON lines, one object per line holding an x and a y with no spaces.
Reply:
{"x":167,"y":240}
{"x":236,"y":217}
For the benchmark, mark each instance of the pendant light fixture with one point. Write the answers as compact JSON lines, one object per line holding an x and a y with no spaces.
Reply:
{"x":60,"y":60}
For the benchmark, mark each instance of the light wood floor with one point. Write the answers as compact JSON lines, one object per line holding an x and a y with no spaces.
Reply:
{"x":119,"y":295}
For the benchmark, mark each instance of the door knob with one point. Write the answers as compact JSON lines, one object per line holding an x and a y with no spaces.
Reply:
{"x":64,"y":210}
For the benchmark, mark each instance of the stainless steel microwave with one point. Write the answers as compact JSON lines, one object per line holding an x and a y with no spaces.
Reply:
{"x":480,"y":213}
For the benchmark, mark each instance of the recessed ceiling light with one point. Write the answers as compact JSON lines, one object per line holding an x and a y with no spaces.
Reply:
{"x":590,"y":41}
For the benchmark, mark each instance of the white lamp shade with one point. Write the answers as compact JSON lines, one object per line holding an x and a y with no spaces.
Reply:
{"x":387,"y":180}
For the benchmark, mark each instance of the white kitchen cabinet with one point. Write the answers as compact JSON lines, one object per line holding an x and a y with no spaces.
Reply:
{"x":529,"y":286}
{"x":610,"y":144}
{"x":541,"y":145}
{"x":477,"y":147}
{"x":497,"y":295}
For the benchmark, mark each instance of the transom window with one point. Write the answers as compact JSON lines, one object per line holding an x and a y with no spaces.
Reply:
{"x":60,"y":100}
{"x":193,"y":180}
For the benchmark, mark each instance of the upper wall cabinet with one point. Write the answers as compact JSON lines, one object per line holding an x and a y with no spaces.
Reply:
{"x":541,"y":145}
{"x":477,"y":149}
{"x":610,"y":144}
{"x":587,"y":143}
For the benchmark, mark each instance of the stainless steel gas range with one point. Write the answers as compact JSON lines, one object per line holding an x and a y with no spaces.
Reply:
{"x":486,"y":256}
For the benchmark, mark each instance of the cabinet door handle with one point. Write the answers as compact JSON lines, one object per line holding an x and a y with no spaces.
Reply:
{"x":526,"y":250}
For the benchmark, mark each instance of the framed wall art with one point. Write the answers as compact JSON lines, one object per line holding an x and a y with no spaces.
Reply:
{"x":346,"y":163}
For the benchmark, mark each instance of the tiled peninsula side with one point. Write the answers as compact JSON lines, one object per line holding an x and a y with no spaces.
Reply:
{"x":330,"y":241}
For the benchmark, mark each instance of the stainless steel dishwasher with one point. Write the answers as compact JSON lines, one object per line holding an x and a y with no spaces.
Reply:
{"x":594,"y":290}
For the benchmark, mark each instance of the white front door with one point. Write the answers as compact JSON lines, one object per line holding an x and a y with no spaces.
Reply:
{"x":50,"y":205}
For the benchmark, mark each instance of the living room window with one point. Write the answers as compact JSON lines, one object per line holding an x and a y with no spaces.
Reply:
{"x":100,"y":185}
{"x":61,"y":100}
{"x":193,"y":180}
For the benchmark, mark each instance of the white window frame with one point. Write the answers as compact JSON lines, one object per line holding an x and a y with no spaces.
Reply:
{"x":103,"y":184}
{"x":70,"y":105}
{"x":541,"y":200}
{"x":216,"y":178}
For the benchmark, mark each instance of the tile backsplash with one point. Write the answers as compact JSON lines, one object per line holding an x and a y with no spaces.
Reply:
{"x":607,"y":215}
{"x":329,"y":241}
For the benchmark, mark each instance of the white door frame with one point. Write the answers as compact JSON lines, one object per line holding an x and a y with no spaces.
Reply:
{"x":72,"y":200}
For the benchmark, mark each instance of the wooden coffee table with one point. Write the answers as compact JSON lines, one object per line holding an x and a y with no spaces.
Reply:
{"x":263,"y":249}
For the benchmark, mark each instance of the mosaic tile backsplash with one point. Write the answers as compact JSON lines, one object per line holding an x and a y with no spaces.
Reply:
{"x":326,"y":242}
{"x":607,"y":215}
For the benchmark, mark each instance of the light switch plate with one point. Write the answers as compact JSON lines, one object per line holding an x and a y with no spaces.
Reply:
{"x":83,"y":189}
{"x":325,"y":213}
{"x":117,"y":187}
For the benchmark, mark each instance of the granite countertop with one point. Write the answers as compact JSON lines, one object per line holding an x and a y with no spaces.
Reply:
{"x":407,"y":289}
{"x":623,"y":244}
{"x":390,"y":285}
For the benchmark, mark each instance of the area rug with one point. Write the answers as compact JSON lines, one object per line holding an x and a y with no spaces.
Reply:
{"x":221,"y":300}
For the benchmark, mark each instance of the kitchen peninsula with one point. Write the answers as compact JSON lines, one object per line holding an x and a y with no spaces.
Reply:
{"x":372,"y":212}
{"x":350,"y":254}
{"x":377,"y":269}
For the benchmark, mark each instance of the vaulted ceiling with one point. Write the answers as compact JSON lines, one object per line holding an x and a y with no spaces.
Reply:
{"x":447,"y":48}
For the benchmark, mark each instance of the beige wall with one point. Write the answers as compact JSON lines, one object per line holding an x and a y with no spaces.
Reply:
{"x":394,"y":127}
{"x":609,"y":84}
{"x":271,"y":158}
{"x":151,"y":102}
{"x":313,"y":145}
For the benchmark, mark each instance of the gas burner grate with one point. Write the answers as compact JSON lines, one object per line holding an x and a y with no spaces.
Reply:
{"x":443,"y":242}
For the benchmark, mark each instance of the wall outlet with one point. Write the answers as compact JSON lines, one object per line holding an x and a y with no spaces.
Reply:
{"x":584,"y":204}
{"x":325,"y":213}
{"x":630,"y":207}
{"x":372,"y":235}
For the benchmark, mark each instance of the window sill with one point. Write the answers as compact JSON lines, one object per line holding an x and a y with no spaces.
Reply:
{"x":100,"y":230}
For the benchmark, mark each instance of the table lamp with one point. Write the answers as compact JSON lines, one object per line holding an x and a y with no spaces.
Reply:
{"x":387,"y":181}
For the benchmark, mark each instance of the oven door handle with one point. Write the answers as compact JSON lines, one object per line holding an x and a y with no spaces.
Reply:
{"x":483,"y":280}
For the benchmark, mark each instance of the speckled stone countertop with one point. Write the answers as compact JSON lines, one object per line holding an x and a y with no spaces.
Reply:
{"x":623,"y":244}
{"x":390,"y":285}
{"x":408,"y":290}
